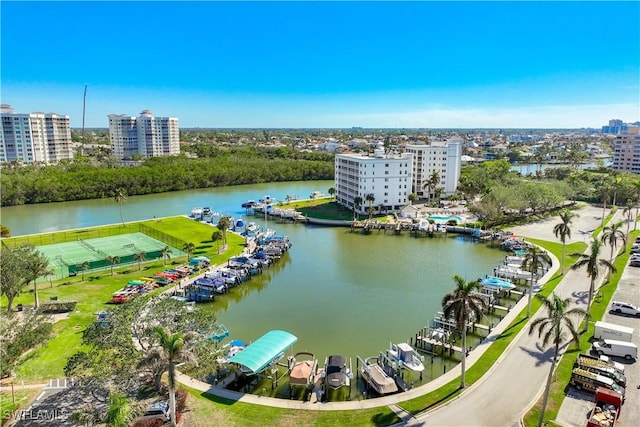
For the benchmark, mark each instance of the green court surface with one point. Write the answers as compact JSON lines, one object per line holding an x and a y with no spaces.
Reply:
{"x":69,"y":256}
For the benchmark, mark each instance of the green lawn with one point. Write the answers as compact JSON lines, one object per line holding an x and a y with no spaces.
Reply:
{"x":211,"y":410}
{"x":93,"y":293}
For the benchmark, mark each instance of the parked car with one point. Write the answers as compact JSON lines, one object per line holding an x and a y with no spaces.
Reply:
{"x":157,"y":411}
{"x":622,"y":307}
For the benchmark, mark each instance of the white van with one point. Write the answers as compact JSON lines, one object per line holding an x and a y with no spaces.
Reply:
{"x":603,"y":331}
{"x":625,"y":349}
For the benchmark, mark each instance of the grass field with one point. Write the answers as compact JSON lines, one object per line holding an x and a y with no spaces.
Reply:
{"x":92,"y":294}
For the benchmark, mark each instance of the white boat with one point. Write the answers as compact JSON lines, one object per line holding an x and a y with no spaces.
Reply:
{"x":251,"y":229}
{"x":513,"y":260}
{"x":374,"y":374}
{"x":239,"y":226}
{"x":511,"y":272}
{"x":406,"y":356}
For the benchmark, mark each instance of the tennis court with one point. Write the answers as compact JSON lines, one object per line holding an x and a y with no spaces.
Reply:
{"x":68,"y":257}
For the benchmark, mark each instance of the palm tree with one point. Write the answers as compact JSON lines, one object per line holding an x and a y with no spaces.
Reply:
{"x":189,"y":248}
{"x":357,"y":201}
{"x":84,"y":267}
{"x":331,"y":191}
{"x":36,"y":265}
{"x":432,"y":183}
{"x":463,"y":303}
{"x":166,"y":254}
{"x":551,"y":329}
{"x":628,"y":213}
{"x":120,"y":197}
{"x":534,"y":259}
{"x":592,"y":264}
{"x":113,"y":260}
{"x":121,"y":412}
{"x":223,"y":226}
{"x":48,"y":273}
{"x":611,"y":234}
{"x":216,"y":236}
{"x":169,"y":351}
{"x":139,"y":257}
{"x":562,"y":230}
{"x":370,"y":211}
{"x":370,"y":198}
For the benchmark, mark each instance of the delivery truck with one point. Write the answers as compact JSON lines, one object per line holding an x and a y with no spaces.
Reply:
{"x":610,"y":331}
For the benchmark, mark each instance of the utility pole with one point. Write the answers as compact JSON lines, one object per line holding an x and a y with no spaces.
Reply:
{"x":84,"y":104}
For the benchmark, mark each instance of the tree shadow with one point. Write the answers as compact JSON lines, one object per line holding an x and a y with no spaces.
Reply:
{"x":581,"y":297}
{"x":542,"y":356}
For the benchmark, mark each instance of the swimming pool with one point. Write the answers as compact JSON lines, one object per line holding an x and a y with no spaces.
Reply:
{"x":445,"y":218}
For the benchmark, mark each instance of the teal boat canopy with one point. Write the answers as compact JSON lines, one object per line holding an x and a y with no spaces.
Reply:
{"x":264,"y":351}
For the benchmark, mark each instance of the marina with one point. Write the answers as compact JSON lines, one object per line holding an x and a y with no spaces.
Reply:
{"x":323,"y":290}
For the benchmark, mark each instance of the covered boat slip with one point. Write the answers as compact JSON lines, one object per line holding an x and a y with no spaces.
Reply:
{"x":263,"y":352}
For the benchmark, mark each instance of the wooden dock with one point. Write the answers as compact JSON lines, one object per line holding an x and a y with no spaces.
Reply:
{"x":435,"y":344}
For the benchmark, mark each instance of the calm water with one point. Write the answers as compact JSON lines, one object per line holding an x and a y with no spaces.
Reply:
{"x":337,"y":291}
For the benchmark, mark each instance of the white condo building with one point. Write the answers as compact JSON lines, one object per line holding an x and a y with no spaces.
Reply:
{"x":34,"y":137}
{"x":444,"y":157}
{"x":145,"y":135}
{"x":626,"y":151}
{"x":387,"y":177}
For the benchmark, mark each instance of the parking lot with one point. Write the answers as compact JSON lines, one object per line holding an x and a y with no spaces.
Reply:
{"x":578,"y":404}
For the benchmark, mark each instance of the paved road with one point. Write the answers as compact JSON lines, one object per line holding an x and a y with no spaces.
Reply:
{"x":517,"y":380}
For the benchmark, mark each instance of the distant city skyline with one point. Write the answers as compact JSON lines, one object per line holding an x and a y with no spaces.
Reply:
{"x":326,"y":64}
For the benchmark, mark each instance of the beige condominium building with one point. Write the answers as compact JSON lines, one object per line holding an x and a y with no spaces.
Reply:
{"x":34,"y":137}
{"x":145,"y":135}
{"x":626,"y":151}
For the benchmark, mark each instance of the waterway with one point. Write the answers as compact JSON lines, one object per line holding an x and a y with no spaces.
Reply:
{"x":339,"y":292}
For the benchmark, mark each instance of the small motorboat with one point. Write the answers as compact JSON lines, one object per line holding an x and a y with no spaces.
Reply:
{"x":406,"y":356}
{"x":496,"y":283}
{"x":336,"y":372}
{"x":376,"y":377}
{"x":302,"y":369}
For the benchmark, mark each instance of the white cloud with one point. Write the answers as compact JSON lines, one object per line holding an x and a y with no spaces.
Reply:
{"x":558,"y":116}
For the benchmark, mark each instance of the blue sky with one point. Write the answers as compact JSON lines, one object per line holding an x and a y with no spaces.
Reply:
{"x":326,"y":64}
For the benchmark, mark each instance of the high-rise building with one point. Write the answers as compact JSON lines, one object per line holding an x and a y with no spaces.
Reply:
{"x":615,"y":126}
{"x":34,"y":137}
{"x":145,"y":135}
{"x":626,"y":151}
{"x":442,"y":157}
{"x":381,"y":181}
